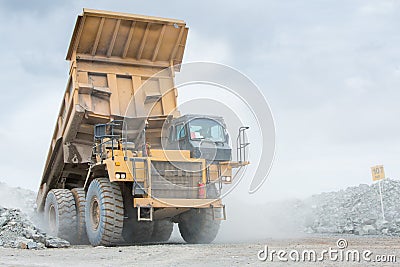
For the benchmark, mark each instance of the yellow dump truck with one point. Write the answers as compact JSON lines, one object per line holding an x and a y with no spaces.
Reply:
{"x":123,"y":164}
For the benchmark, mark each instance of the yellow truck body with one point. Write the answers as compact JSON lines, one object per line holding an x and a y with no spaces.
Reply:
{"x":112,"y":55}
{"x":98,"y":186}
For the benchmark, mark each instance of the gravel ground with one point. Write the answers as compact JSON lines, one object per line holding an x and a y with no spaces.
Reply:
{"x":217,"y":254}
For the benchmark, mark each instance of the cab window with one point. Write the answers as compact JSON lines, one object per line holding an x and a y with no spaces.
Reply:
{"x":206,"y":129}
{"x":180,"y":132}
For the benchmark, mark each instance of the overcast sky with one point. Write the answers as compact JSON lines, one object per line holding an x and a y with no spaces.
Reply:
{"x":329,"y":69}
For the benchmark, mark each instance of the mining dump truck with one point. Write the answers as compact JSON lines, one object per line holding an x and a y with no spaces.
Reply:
{"x":123,"y":164}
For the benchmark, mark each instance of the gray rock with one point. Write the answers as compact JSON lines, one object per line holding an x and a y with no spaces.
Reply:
{"x":29,"y":232}
{"x":55,"y":242}
{"x":381,"y":224}
{"x":348,"y":229}
{"x":40,"y":238}
{"x":3,"y":221}
{"x":32,"y":245}
{"x":369,"y":230}
{"x":369,"y":221}
{"x":40,"y":246}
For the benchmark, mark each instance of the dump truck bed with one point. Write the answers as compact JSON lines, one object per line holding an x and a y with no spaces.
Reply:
{"x":112,"y":55}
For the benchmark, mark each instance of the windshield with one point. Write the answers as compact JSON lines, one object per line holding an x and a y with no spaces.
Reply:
{"x":206,"y":129}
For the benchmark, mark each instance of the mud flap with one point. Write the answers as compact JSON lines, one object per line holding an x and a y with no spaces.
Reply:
{"x":218,"y":211}
{"x":145,"y":213}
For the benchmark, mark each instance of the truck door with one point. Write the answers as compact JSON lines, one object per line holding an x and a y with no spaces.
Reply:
{"x":181,"y":137}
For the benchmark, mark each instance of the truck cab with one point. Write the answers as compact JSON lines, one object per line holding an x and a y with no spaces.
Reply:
{"x":203,"y":135}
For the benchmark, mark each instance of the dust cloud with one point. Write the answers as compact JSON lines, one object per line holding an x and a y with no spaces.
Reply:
{"x":259,"y":222}
{"x":246,"y":222}
{"x":17,"y":198}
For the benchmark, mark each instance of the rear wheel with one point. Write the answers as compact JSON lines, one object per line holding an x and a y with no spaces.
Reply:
{"x":162,"y":230}
{"x":198,"y":226}
{"x":104,"y":213}
{"x":60,"y":214}
{"x":80,"y":201}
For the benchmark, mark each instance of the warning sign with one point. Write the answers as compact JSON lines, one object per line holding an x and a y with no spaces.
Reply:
{"x":378,"y":173}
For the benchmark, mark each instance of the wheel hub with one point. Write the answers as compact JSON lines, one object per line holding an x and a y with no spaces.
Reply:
{"x":94,"y":213}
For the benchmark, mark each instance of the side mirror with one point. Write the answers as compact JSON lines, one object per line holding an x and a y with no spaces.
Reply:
{"x":226,"y":136}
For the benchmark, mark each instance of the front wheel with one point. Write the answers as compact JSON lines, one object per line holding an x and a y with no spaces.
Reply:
{"x":104,"y":213}
{"x":198,"y":226}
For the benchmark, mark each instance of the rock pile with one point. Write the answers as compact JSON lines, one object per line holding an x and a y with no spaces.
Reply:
{"x":357,"y":210}
{"x":17,"y":231}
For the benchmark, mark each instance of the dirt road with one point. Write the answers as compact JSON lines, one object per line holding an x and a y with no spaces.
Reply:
{"x":217,"y":254}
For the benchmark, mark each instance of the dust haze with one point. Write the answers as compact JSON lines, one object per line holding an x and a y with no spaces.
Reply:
{"x":249,"y":216}
{"x":17,"y":197}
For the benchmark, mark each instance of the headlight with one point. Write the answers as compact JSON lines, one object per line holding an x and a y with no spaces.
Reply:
{"x":227,"y":179}
{"x":120,"y":175}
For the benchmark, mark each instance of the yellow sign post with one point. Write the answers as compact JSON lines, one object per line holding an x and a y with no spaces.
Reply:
{"x":378,"y":174}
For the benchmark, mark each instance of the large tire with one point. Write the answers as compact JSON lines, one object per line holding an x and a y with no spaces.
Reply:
{"x":162,"y":231}
{"x":104,"y":213}
{"x":60,"y":214}
{"x":80,"y":201}
{"x":198,"y":226}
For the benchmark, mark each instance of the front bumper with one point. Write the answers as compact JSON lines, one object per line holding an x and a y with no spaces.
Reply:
{"x":177,"y":203}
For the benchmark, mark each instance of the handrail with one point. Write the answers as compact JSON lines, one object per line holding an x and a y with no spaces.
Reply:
{"x":111,"y":136}
{"x":241,"y":144}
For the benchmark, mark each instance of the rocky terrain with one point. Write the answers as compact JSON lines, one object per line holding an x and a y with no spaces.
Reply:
{"x":356,"y":210}
{"x":17,"y":221}
{"x":17,"y":231}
